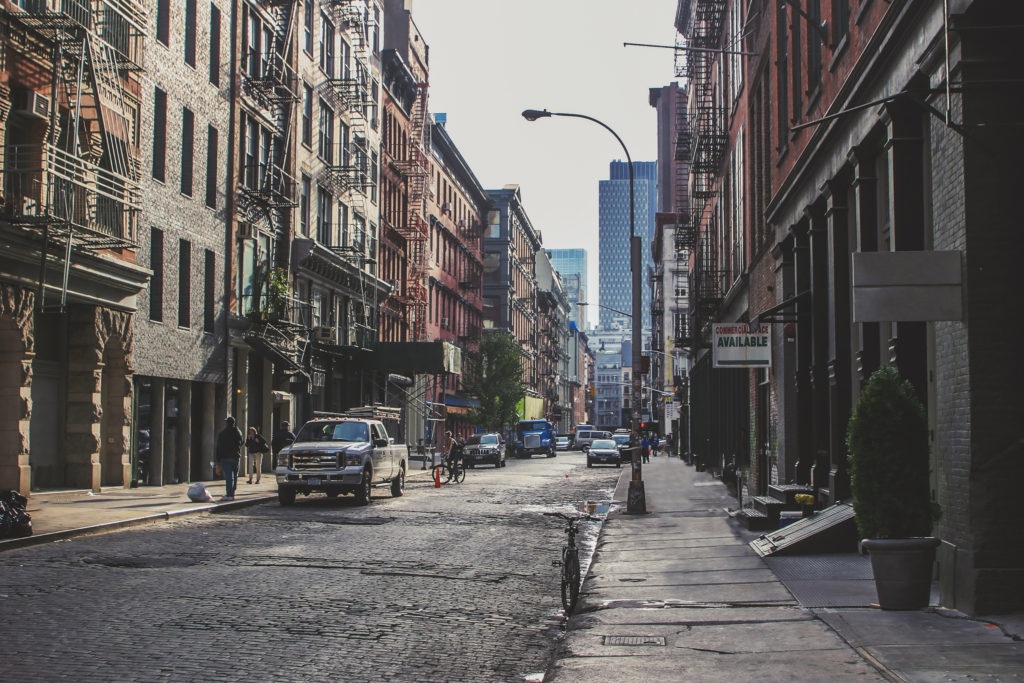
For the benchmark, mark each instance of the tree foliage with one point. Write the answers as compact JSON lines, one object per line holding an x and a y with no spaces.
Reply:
{"x":887,"y":441}
{"x":499,"y":386}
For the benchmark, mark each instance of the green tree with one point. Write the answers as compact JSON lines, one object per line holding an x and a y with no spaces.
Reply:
{"x":499,"y":385}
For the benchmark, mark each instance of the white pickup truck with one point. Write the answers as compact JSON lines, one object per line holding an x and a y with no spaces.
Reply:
{"x":343,"y":453}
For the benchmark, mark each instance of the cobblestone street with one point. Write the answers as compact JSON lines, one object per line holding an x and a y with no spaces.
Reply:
{"x":450,"y":584}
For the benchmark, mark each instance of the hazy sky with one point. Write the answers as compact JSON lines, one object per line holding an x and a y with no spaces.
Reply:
{"x":490,"y":60}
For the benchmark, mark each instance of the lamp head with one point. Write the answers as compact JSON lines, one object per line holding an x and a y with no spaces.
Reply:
{"x":534,"y":114}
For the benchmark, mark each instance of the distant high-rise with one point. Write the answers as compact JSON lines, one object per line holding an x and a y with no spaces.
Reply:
{"x":615,"y":281}
{"x":571,"y":264}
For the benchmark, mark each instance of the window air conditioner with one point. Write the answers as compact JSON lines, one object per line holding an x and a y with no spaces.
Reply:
{"x":245,"y":231}
{"x":323,"y":334}
{"x":444,"y":322}
{"x":30,"y":103}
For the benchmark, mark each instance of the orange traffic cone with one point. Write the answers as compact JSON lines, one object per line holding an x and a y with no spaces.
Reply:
{"x":437,"y":477}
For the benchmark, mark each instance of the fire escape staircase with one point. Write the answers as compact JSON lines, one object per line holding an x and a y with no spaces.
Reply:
{"x":80,"y":183}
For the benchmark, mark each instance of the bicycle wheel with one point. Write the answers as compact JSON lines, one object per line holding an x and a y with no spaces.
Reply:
{"x":442,"y":474}
{"x":570,"y":579}
{"x":460,"y":474}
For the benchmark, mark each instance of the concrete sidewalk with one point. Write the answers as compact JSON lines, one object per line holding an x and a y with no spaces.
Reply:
{"x":62,"y":514}
{"x":677,"y":594}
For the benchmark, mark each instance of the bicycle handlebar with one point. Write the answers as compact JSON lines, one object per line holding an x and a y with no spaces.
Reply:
{"x":568,"y":518}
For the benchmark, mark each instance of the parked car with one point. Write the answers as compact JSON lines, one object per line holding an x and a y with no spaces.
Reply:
{"x":561,"y":443}
{"x":483,"y":449}
{"x":605,"y":452}
{"x":583,"y":439}
{"x":621,"y":440}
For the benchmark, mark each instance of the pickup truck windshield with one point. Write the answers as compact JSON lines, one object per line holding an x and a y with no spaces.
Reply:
{"x":333,"y":431}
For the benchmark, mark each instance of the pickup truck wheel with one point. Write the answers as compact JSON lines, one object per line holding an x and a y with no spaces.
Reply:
{"x":285,"y":496}
{"x":363,"y":492}
{"x":398,"y":484}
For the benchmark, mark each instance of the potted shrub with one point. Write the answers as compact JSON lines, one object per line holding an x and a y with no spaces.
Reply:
{"x":887,"y":442}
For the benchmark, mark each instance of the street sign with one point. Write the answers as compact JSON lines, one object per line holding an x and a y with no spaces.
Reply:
{"x":735,"y":345}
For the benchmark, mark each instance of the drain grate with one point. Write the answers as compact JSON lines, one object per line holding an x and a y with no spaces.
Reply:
{"x":634,"y":640}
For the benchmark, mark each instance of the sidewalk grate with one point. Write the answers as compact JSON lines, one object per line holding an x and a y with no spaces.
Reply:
{"x":634,"y":640}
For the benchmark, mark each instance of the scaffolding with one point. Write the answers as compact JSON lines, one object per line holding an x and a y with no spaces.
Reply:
{"x":76,"y":185}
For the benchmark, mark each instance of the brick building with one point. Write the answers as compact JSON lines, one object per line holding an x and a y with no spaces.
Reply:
{"x":69,"y":270}
{"x":857,"y":164}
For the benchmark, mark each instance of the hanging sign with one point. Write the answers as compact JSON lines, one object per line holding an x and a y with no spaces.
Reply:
{"x":735,"y":345}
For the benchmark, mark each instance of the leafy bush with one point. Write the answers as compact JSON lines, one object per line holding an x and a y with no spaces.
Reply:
{"x":887,"y":442}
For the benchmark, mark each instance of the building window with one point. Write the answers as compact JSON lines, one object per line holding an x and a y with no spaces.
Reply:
{"x":163,"y":21}
{"x":840,"y":20}
{"x":159,"y":134}
{"x":214,"y":45}
{"x":343,"y":224}
{"x":324,"y":205}
{"x":190,"y":32}
{"x":345,"y":61}
{"x":184,"y":283}
{"x":188,"y":145}
{"x":797,"y":69}
{"x":307,"y":27}
{"x":307,"y":114}
{"x":211,"y":166}
{"x":813,"y":45}
{"x":304,"y":205}
{"x":327,"y":46}
{"x":325,"y":142}
{"x":782,"y":101}
{"x":209,"y":290}
{"x":156,"y":282}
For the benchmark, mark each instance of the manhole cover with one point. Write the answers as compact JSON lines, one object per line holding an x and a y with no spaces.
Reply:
{"x":634,"y":640}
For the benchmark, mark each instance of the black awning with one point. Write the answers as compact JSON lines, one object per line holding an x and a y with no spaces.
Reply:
{"x":780,"y":313}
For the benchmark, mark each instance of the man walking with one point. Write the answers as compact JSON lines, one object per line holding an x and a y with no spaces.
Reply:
{"x":228,"y":452}
{"x":282,"y":437}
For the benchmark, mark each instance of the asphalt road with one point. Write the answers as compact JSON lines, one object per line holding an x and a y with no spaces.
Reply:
{"x":450,"y":584}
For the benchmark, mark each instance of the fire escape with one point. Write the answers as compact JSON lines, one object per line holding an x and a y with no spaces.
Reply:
{"x":350,"y":169}
{"x":414,"y":229}
{"x":78,"y":185}
{"x":266,"y":188}
{"x":706,"y":140}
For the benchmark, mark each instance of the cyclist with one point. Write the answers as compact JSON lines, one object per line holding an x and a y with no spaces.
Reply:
{"x":455,"y":452}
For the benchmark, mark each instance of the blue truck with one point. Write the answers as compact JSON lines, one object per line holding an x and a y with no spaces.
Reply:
{"x":534,"y":436}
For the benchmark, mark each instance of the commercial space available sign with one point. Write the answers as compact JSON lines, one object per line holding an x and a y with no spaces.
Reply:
{"x":735,"y":345}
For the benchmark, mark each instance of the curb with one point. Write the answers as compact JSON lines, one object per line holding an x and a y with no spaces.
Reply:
{"x":12,"y":543}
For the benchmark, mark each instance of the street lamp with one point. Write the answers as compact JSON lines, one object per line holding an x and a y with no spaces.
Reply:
{"x":607,"y":308}
{"x":636,"y":502}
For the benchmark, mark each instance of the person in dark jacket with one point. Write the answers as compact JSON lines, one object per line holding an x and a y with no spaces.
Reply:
{"x":255,"y":446}
{"x":282,"y":437}
{"x":228,"y":452}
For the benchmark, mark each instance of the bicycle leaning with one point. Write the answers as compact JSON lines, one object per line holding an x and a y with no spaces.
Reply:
{"x":570,"y":561}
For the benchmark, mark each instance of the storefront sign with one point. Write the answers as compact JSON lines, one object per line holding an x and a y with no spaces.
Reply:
{"x":736,"y":346}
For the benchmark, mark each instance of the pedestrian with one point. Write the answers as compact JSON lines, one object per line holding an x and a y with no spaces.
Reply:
{"x":645,"y":448}
{"x":655,"y":444}
{"x":228,"y":452}
{"x":282,"y":437}
{"x":255,"y":447}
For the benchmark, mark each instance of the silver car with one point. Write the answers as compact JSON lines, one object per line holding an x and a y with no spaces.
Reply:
{"x":484,"y":449}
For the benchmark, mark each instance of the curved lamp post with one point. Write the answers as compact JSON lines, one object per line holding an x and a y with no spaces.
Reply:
{"x":636,"y":486}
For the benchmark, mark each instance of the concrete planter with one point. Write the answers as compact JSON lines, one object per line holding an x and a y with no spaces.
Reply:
{"x":903,"y":570}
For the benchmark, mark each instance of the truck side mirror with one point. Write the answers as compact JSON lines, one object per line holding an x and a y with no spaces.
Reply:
{"x":380,"y":443}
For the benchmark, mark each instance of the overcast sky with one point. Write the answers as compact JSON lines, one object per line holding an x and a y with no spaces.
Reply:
{"x":490,"y":60}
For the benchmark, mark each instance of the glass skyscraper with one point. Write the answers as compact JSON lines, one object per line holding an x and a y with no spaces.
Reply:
{"x":571,"y":264}
{"x":615,"y":281}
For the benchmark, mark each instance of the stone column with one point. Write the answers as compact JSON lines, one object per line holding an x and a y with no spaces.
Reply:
{"x":17,"y":341}
{"x":840,"y":336}
{"x":865,"y":187}
{"x":183,"y":444}
{"x":84,"y":400}
{"x":820,"y":326}
{"x":207,"y":429}
{"x":804,"y":353}
{"x":267,"y":418}
{"x":158,"y":425}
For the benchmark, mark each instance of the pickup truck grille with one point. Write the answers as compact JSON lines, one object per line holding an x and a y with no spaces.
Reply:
{"x":531,"y":440}
{"x":314,"y":461}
